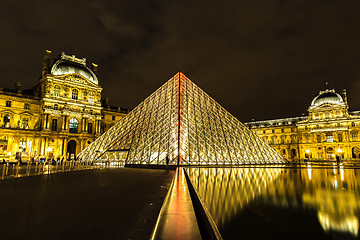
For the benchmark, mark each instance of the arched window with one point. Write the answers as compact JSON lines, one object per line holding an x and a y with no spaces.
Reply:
{"x":91,"y":97}
{"x":73,"y":127}
{"x":75,"y":93}
{"x":57,"y":91}
{"x":6,"y":121}
{"x":56,"y":107}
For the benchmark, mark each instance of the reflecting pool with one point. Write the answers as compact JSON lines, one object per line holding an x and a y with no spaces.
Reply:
{"x":281,"y":203}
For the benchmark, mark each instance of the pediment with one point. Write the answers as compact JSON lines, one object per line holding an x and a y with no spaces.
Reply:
{"x":78,"y":78}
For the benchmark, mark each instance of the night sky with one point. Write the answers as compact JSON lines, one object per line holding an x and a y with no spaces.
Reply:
{"x":260,"y":60}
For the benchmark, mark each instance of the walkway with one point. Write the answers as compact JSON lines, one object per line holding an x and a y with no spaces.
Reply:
{"x":177,"y":218}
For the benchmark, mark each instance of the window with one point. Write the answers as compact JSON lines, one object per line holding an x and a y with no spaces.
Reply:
{"x":22,"y":144}
{"x":273,"y":140}
{"x":6,"y":121}
{"x":113,"y":118}
{"x":25,"y":123}
{"x":340,"y":137}
{"x":91,"y":112}
{"x":329,"y":137}
{"x":293,"y":139}
{"x":57,"y":91}
{"x":353,"y":124}
{"x":91,"y":97}
{"x":282,"y":139}
{"x":354,"y":136}
{"x":73,"y":127}
{"x":264,"y":131}
{"x":26,"y":106}
{"x":292,"y":129}
{"x":56,"y":107}
{"x":75,"y":94}
{"x":3,"y":143}
{"x":8,"y":103}
{"x":54,"y":125}
{"x":318,"y":138}
{"x":273,"y":131}
{"x":90,"y":125}
{"x":282,"y":130}
{"x":307,"y":138}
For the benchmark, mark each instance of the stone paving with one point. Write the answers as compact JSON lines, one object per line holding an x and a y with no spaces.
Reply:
{"x":108,"y":203}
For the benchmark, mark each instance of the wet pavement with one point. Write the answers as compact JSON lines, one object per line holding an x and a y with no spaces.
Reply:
{"x":106,"y":203}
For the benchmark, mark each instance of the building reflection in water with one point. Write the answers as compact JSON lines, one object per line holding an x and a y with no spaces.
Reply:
{"x":334,"y":193}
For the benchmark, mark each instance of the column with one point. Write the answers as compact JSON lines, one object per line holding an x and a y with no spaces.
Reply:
{"x":86,"y":125}
{"x":47,"y":121}
{"x":64,"y":123}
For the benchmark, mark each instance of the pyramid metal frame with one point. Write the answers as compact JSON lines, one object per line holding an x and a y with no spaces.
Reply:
{"x":180,"y":124}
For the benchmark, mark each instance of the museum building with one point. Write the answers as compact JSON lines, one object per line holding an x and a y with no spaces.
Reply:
{"x":329,"y":131}
{"x":61,"y":115}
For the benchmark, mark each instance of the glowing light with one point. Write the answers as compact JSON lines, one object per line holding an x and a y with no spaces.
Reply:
{"x":339,"y":150}
{"x":181,"y":121}
{"x":307,"y":151}
{"x":309,"y":171}
{"x":49,"y":149}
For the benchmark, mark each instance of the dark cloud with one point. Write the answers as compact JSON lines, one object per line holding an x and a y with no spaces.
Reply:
{"x":259,"y":59}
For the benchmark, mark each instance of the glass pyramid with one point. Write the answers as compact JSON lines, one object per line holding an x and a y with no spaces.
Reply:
{"x":180,"y":124}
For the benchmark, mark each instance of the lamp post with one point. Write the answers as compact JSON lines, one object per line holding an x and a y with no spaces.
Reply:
{"x":339,"y":150}
{"x":308,"y":153}
{"x":49,"y":150}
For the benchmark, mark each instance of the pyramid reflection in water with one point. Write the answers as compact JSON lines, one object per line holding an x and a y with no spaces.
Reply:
{"x":183,"y":124}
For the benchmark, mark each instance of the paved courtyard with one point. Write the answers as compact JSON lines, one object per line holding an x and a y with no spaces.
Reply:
{"x":115,"y":203}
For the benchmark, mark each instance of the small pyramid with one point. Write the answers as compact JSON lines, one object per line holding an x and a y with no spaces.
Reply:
{"x":180,"y":124}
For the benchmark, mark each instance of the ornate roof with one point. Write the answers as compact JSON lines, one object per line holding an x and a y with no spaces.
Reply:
{"x":327,"y":97}
{"x":70,"y":65}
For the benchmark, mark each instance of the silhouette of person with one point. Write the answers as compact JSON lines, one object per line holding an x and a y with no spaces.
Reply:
{"x":167,"y":160}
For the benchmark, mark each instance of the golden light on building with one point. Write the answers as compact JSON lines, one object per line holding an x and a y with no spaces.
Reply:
{"x":328,"y":127}
{"x":62,"y":112}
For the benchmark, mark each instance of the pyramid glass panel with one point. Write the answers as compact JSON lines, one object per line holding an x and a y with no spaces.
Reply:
{"x":181,"y":124}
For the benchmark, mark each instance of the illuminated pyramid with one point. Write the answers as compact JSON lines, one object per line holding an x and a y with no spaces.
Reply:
{"x":183,"y":124}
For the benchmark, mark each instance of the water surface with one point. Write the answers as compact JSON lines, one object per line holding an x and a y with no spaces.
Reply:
{"x":281,"y":203}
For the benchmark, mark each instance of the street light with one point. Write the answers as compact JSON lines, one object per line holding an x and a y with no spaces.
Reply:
{"x":49,"y":150}
{"x":308,"y":153}
{"x":339,"y":150}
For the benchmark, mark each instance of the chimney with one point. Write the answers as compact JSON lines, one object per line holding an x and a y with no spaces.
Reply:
{"x":94,"y":68}
{"x":46,"y":63}
{"x":18,"y":87}
{"x":345,"y":96}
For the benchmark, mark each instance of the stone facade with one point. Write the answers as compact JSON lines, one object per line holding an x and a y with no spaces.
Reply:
{"x":328,"y":132}
{"x":61,"y":115}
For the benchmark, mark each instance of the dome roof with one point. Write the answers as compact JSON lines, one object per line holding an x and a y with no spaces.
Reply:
{"x":71,"y":65}
{"x":327,"y":96}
